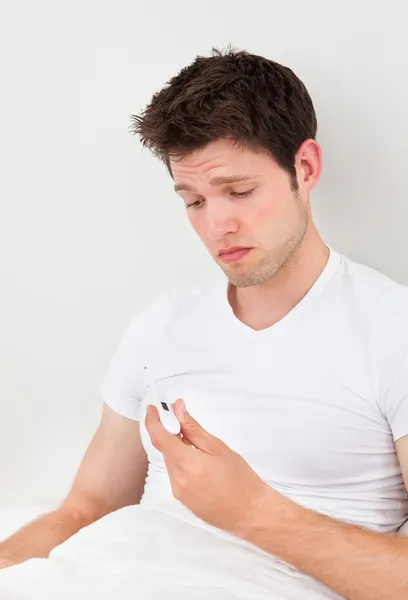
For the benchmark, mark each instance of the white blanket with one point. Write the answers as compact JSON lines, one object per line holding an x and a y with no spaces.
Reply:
{"x":155,"y":554}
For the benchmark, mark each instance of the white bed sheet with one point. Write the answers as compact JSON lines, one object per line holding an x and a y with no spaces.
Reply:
{"x":155,"y":554}
{"x":150,"y":554}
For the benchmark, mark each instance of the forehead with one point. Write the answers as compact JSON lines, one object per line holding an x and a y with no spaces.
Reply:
{"x":220,"y":157}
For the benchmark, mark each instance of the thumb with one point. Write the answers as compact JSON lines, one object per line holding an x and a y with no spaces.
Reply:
{"x":192,"y":431}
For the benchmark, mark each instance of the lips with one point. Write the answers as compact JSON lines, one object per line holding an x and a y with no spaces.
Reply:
{"x":230,"y":257}
{"x":232,"y":250}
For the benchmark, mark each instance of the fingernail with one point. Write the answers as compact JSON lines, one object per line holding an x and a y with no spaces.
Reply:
{"x":182,"y":405}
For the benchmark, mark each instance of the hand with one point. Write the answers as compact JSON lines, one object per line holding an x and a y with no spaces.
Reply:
{"x":207,"y":476}
{"x":5,"y":562}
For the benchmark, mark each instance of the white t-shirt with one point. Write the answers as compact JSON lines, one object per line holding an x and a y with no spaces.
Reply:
{"x":313,"y":403}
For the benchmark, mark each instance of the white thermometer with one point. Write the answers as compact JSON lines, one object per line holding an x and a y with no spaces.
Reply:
{"x":167,"y":415}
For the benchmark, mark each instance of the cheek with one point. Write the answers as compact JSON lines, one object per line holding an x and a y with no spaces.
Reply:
{"x":264,"y":213}
{"x":198,"y":223}
{"x":275,"y":208}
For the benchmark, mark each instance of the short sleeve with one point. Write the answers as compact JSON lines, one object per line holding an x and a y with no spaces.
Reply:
{"x":390,"y":347}
{"x":124,"y":382}
{"x":395,"y":403}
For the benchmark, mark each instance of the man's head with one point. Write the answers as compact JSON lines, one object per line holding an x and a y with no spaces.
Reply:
{"x":230,"y":117}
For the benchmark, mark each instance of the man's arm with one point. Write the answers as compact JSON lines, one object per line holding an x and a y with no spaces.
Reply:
{"x":111,"y":475}
{"x":356,"y":563}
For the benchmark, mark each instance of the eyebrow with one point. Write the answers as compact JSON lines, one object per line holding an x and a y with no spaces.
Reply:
{"x":215,"y":181}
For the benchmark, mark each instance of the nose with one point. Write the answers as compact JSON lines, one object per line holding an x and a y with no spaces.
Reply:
{"x":220,"y":221}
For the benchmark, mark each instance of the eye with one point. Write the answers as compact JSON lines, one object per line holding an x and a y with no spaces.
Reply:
{"x":234,"y":194}
{"x":242,"y":194}
{"x":194,"y":204}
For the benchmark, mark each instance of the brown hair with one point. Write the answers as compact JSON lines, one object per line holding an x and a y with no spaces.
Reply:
{"x":236,"y":95}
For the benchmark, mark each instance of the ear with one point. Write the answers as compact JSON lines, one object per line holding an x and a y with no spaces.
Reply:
{"x":308,"y":164}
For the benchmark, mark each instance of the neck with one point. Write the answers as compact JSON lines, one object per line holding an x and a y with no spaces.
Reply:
{"x":263,"y":305}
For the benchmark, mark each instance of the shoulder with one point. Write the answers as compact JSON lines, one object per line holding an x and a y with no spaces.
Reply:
{"x":383,"y":309}
{"x":383,"y":297}
{"x":174,"y":304}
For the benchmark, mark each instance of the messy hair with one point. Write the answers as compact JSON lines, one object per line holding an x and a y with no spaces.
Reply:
{"x":249,"y":99}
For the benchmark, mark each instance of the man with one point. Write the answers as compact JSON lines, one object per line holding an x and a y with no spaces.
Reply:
{"x":293,"y":368}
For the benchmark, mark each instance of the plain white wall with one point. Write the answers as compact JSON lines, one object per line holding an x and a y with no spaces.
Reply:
{"x":90,"y":228}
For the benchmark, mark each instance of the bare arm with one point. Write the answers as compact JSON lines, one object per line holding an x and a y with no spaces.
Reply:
{"x":111,"y":475}
{"x":357,"y":564}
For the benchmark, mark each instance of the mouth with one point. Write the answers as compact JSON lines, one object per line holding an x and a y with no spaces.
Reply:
{"x":234,"y":255}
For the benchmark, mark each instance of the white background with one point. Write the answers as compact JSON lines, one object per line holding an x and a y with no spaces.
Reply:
{"x":90,"y":228}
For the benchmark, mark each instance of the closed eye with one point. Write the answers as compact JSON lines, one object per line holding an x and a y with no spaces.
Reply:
{"x":234,"y":194}
{"x":242,"y":194}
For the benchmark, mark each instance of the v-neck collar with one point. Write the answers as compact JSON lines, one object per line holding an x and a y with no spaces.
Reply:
{"x":223,"y":287}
